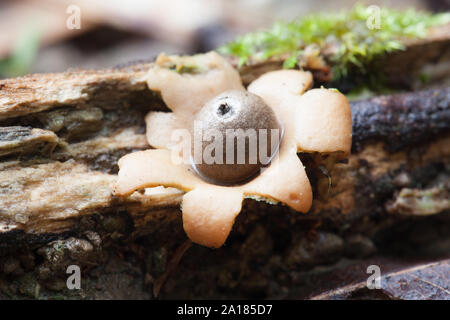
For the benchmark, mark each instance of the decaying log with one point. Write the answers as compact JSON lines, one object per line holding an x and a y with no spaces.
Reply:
{"x":428,"y":56}
{"x":62,"y":134}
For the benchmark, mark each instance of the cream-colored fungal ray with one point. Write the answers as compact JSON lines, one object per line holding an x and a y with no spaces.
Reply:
{"x":285,"y":180}
{"x":160,"y":126}
{"x":324,"y":122}
{"x":186,"y":92}
{"x":209,"y":213}
{"x":322,"y":118}
{"x":209,"y":210}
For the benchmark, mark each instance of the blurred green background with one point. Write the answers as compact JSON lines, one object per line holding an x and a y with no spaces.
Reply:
{"x":34,"y":35}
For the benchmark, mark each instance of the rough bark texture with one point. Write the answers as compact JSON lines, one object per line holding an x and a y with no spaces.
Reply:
{"x":62,"y":134}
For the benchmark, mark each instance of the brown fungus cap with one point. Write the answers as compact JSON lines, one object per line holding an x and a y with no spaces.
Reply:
{"x":240,"y":134}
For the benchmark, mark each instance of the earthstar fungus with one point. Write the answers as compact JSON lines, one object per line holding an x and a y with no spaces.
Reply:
{"x":318,"y":120}
{"x":246,"y":135}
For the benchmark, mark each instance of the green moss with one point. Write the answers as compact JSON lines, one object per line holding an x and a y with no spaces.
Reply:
{"x":351,"y":41}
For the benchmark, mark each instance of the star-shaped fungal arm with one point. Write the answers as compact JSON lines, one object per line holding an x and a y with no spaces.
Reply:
{"x":324,"y":123}
{"x":185,"y":92}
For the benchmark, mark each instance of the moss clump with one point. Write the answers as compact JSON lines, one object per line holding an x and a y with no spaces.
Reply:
{"x":345,"y":35}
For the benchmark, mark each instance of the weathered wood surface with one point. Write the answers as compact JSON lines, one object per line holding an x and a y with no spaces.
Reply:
{"x":415,"y":282}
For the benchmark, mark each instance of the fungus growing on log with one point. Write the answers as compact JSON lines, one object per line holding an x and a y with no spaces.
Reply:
{"x":318,"y":120}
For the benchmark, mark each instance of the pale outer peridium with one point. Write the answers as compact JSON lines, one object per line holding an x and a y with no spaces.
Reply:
{"x":209,"y":210}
